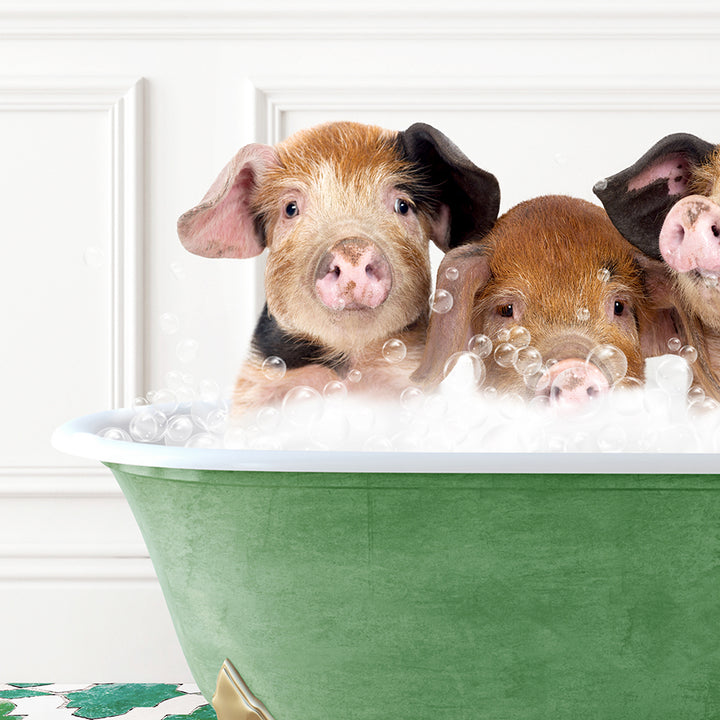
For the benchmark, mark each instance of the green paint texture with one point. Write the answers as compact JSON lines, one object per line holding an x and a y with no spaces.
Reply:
{"x":416,"y":596}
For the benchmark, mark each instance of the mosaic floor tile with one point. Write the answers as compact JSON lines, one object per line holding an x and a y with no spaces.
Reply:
{"x":97,"y":701}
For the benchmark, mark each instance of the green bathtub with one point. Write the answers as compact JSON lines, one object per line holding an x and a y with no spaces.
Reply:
{"x":421,"y":586}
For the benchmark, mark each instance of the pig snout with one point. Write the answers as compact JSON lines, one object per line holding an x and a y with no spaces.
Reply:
{"x":690,"y":236}
{"x":353,"y":274}
{"x":572,"y":382}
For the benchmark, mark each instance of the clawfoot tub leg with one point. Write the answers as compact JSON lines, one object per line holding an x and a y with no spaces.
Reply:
{"x":233,"y":700}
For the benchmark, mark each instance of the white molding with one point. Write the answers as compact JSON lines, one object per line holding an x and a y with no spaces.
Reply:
{"x":268,"y":100}
{"x":122,"y":101}
{"x":71,"y":567}
{"x":420,"y":20}
{"x":57,"y":482}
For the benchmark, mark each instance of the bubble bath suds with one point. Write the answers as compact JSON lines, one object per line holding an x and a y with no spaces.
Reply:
{"x":667,"y":414}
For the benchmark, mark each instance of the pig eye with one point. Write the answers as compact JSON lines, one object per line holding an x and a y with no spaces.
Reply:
{"x":619,"y":307}
{"x":402,"y":207}
{"x":505,"y":311}
{"x":291,"y":209}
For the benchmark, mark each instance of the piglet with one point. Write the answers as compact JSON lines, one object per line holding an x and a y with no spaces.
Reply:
{"x":346,"y":212}
{"x":668,"y":205}
{"x":563,"y":297}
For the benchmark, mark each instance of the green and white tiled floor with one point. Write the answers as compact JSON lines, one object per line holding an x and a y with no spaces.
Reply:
{"x":131,"y":701}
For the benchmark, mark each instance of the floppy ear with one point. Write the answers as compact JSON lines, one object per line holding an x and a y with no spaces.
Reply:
{"x":469,"y":196}
{"x":638,"y":198}
{"x":223,"y":224}
{"x":449,"y":332}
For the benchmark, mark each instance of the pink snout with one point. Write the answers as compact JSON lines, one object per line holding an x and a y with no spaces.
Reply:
{"x":690,"y":236}
{"x":572,"y":382}
{"x":353,"y":275}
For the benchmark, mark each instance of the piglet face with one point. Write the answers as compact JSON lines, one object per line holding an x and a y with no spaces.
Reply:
{"x":348,"y":259}
{"x":571,"y":282}
{"x":668,"y":205}
{"x":561,"y":295}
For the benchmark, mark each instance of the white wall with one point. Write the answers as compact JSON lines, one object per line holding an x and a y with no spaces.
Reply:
{"x":114,"y":119}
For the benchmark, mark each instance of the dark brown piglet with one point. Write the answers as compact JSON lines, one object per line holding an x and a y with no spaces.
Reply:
{"x":346,"y":212}
{"x":668,"y":205}
{"x":552,"y":285}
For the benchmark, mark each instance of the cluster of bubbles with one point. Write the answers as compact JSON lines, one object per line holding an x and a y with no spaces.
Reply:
{"x":667,"y":414}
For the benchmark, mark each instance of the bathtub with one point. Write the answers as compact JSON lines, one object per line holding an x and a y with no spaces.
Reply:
{"x":357,"y":586}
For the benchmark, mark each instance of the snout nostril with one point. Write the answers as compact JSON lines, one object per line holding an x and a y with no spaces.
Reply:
{"x":593,"y":391}
{"x":715,"y":231}
{"x":555,"y":392}
{"x":335,"y":271}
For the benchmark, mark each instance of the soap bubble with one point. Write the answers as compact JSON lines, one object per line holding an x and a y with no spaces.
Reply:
{"x":466,"y":364}
{"x":610,"y":360}
{"x":273,"y":368}
{"x":139,"y":402}
{"x":627,"y":397}
{"x":94,"y":257}
{"x":187,"y":350}
{"x":178,"y":271}
{"x":411,"y":398}
{"x":441,"y":301}
{"x":165,"y":398}
{"x":519,"y":336}
{"x":208,"y":391}
{"x":503,"y":335}
{"x":612,"y":438}
{"x":688,"y":353}
{"x":569,"y":389}
{"x":174,"y":379}
{"x":301,"y":405}
{"x":701,"y":409}
{"x":674,"y":344}
{"x":481,"y":345}
{"x":696,"y":394}
{"x":603,"y":275}
{"x":146,"y":426}
{"x":505,"y":354}
{"x":268,"y":418}
{"x":354,"y":376}
{"x":179,"y":430}
{"x":394,"y":350}
{"x":216,"y":420}
{"x":205,"y":441}
{"x":115,"y":433}
{"x":452,"y":273}
{"x":673,"y":375}
{"x":335,"y":390}
{"x":169,"y":323}
{"x":378,"y":443}
{"x":235,"y":438}
{"x":528,"y":361}
{"x":582,"y":314}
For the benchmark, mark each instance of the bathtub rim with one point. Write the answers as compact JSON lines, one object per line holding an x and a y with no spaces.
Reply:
{"x":79,"y":437}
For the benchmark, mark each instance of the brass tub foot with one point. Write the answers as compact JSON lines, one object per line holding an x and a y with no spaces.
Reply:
{"x":233,"y":700}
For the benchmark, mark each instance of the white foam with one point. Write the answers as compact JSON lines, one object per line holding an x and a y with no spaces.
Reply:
{"x":659,"y":417}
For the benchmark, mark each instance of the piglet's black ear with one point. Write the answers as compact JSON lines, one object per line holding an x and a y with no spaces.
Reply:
{"x":638,"y":198}
{"x":471,"y":194}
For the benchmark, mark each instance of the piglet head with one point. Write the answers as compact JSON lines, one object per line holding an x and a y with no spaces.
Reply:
{"x":558,"y":292}
{"x":346,"y":212}
{"x":668,"y":205}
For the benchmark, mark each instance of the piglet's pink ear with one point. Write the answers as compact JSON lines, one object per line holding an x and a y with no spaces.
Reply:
{"x":223,"y":224}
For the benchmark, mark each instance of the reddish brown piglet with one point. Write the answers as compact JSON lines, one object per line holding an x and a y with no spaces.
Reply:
{"x":559,"y":292}
{"x":346,"y":213}
{"x":668,"y":205}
